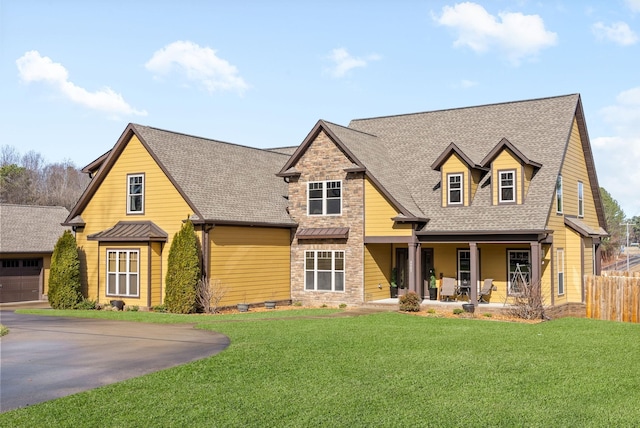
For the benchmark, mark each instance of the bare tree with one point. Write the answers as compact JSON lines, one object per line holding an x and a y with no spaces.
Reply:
{"x":29,"y":180}
{"x":209,"y":295}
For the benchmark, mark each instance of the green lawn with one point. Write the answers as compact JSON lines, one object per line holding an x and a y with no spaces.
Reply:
{"x":385,"y":369}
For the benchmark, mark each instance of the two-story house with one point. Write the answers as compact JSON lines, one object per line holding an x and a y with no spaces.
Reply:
{"x":503,"y":191}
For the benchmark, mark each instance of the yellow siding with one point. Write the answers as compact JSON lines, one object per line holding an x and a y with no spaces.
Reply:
{"x":251,"y":264}
{"x":377,"y":271}
{"x":46,"y":269}
{"x":578,"y":250}
{"x":573,"y":267}
{"x":455,"y":165}
{"x":163,"y":205}
{"x":378,"y":213}
{"x":156,"y":274}
{"x":506,"y":161}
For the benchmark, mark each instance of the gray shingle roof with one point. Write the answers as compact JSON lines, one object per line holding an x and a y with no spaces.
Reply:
{"x":224,"y":182}
{"x":30,"y":228}
{"x":404,"y":148}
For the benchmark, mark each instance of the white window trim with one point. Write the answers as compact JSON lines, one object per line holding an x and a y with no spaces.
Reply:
{"x":333,"y":270}
{"x":449,"y":176}
{"x":580,"y":199}
{"x":324,"y":197}
{"x":129,"y":194}
{"x":560,"y":270}
{"x":500,"y":187}
{"x":559,"y":196}
{"x":128,"y":274}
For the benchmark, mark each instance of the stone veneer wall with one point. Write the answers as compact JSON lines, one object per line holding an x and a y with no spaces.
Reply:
{"x":323,"y":161}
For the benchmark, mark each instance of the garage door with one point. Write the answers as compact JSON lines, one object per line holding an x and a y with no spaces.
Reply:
{"x":20,"y":280}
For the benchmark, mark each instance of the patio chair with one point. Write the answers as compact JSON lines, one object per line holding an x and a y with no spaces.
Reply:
{"x":448,"y":289}
{"x":485,"y":291}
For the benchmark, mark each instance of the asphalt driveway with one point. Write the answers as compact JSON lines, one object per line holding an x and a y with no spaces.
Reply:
{"x":44,"y":357}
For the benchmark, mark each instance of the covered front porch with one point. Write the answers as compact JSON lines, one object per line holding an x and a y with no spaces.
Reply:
{"x":508,"y":261}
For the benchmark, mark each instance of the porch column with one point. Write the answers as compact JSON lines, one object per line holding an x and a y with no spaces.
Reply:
{"x":419,"y":287}
{"x":412,"y":267}
{"x":473,"y":261}
{"x":536,"y":286}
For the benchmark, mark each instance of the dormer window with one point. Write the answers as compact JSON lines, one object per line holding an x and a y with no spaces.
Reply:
{"x":324,"y":198}
{"x":135,"y":194}
{"x":454,"y":189}
{"x":507,"y":187}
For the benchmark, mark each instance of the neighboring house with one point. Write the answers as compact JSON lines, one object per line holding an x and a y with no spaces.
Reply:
{"x":503,"y":191}
{"x":28,"y":235}
{"x":149,"y":184}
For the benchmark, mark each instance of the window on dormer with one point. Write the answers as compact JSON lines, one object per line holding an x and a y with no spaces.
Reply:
{"x":507,"y":186}
{"x":135,"y":194}
{"x":454,"y":189}
{"x":324,"y":198}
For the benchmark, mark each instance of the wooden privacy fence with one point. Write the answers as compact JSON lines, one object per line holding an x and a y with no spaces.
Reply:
{"x":614,"y":296}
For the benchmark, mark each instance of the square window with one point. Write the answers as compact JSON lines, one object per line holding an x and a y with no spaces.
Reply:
{"x":324,"y":271}
{"x":324,"y":198}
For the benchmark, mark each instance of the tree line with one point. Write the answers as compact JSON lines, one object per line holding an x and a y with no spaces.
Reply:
{"x":29,"y":180}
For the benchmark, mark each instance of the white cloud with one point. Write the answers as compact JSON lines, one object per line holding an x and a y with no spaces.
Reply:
{"x":518,"y":36}
{"x":618,"y":156}
{"x":344,"y":62}
{"x":33,"y":67}
{"x":618,"y":32}
{"x":198,"y":64}
{"x":634,"y":5}
{"x":468,"y":83}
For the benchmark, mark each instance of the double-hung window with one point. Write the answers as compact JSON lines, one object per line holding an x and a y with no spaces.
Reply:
{"x":123,"y":278}
{"x":324,"y":271}
{"x":559,"y":195}
{"x":135,"y":194}
{"x":454,"y":189}
{"x":580,"y":199}
{"x":324,"y":198}
{"x":507,"y":186}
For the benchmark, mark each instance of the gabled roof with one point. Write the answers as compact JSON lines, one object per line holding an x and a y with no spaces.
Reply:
{"x":448,"y":152}
{"x":506,"y":144}
{"x":401,"y":150}
{"x":221,"y":182}
{"x":368,"y":155}
{"x":30,"y":228}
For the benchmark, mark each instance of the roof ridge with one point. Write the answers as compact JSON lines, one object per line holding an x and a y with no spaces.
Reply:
{"x":349,"y":129}
{"x":209,"y":139}
{"x":31,"y":206}
{"x":463,"y":108}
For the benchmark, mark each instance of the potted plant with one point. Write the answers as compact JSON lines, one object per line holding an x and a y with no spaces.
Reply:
{"x":394,"y":284}
{"x":243,"y":307}
{"x":271,"y":304}
{"x":433,"y":285}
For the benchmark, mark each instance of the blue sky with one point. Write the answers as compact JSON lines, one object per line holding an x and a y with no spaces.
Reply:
{"x":261,"y":73}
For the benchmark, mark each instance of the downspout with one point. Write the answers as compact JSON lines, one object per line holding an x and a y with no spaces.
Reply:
{"x":149,"y":261}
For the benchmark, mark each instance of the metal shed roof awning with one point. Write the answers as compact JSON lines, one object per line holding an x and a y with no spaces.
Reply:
{"x":323,"y":233}
{"x":131,"y":231}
